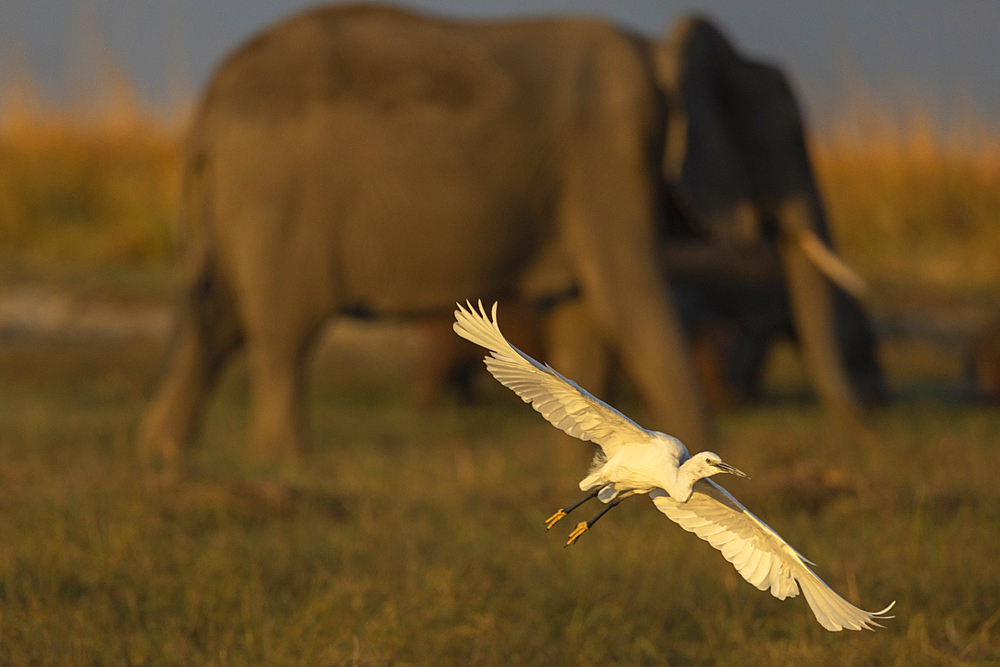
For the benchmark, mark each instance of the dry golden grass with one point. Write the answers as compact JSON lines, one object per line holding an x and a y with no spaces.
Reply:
{"x":914,"y":203}
{"x":93,"y":191}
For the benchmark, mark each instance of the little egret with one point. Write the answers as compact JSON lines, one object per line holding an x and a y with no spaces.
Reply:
{"x":632,"y":460}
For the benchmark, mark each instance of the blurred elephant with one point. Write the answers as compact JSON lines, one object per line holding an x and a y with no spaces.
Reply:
{"x":983,"y":363}
{"x":732,"y":310}
{"x":734,"y":318}
{"x":371,"y":161}
{"x":738,"y":166}
{"x":740,"y":174}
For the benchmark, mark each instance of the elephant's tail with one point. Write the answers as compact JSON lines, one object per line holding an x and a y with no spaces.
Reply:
{"x":194,"y":222}
{"x":206,"y":297}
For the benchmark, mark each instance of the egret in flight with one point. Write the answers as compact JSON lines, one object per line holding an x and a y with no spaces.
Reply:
{"x":632,"y":460}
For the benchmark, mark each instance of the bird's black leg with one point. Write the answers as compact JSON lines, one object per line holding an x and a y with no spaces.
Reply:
{"x":584,"y":526}
{"x":552,"y":520}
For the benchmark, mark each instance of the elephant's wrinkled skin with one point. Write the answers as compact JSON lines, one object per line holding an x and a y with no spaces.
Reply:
{"x":362,"y":159}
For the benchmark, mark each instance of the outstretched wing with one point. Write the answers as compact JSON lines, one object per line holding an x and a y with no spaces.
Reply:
{"x":760,"y":555}
{"x":560,"y":400}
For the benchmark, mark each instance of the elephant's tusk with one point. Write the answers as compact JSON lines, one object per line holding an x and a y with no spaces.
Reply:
{"x":831,"y":265}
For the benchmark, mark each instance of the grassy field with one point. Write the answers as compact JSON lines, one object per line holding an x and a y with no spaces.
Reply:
{"x":912,"y":204}
{"x":418,"y":538}
{"x":413,"y":538}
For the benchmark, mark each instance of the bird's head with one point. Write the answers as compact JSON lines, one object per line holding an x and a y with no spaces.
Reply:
{"x":706,"y":464}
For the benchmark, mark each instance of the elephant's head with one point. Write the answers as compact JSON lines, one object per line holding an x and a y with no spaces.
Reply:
{"x":736,"y":164}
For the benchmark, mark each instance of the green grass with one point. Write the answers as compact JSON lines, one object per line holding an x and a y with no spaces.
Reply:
{"x":414,"y":538}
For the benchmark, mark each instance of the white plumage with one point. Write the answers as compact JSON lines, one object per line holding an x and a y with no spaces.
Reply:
{"x":635,"y":460}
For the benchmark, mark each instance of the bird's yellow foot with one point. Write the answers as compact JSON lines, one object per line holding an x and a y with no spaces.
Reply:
{"x":581,"y":528}
{"x":554,"y":519}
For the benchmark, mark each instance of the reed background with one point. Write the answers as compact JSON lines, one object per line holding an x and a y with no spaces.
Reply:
{"x":417,"y":538}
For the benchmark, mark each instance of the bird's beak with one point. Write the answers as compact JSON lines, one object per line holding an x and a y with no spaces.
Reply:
{"x":725,"y":467}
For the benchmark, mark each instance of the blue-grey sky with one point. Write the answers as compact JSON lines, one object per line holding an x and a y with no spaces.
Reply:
{"x":942,"y":55}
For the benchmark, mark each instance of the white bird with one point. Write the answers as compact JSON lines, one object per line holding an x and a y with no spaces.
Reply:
{"x":633,"y":460}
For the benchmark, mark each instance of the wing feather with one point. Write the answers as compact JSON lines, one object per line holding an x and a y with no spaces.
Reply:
{"x":751,"y":563}
{"x":560,"y":400}
{"x":760,"y":555}
{"x":761,"y":572}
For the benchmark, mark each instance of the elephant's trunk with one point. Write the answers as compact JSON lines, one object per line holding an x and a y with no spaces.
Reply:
{"x":812,"y":304}
{"x":706,"y":261}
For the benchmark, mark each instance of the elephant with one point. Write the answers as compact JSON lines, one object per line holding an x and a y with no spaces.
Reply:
{"x":735,"y":318}
{"x":741,"y":179}
{"x":732,"y":313}
{"x":363,"y":160}
{"x":982,"y":377}
{"x":738,"y":166}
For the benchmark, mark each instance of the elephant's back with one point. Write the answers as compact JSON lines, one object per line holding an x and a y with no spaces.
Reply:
{"x":427,"y":156}
{"x":386,"y":59}
{"x":346,"y":54}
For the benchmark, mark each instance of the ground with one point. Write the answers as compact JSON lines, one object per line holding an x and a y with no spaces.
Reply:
{"x":418,"y":538}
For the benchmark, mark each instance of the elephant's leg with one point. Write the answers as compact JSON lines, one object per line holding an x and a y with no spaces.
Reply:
{"x":448,"y":363}
{"x":454,"y":363}
{"x":277,"y":366}
{"x":277,"y":428}
{"x":637,"y":313}
{"x":983,"y":364}
{"x":281,"y":256}
{"x":745,"y":361}
{"x":714,"y":331}
{"x":712,"y":348}
{"x":284,"y":315}
{"x":208,"y":331}
{"x":627,"y":297}
{"x":654,"y":351}
{"x":859,"y":346}
{"x":573,"y":347}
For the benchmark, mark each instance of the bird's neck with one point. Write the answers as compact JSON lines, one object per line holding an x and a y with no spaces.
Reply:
{"x":684,"y":482}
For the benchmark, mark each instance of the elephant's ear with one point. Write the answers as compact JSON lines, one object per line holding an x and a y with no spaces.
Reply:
{"x":728,"y":117}
{"x":702,"y":160}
